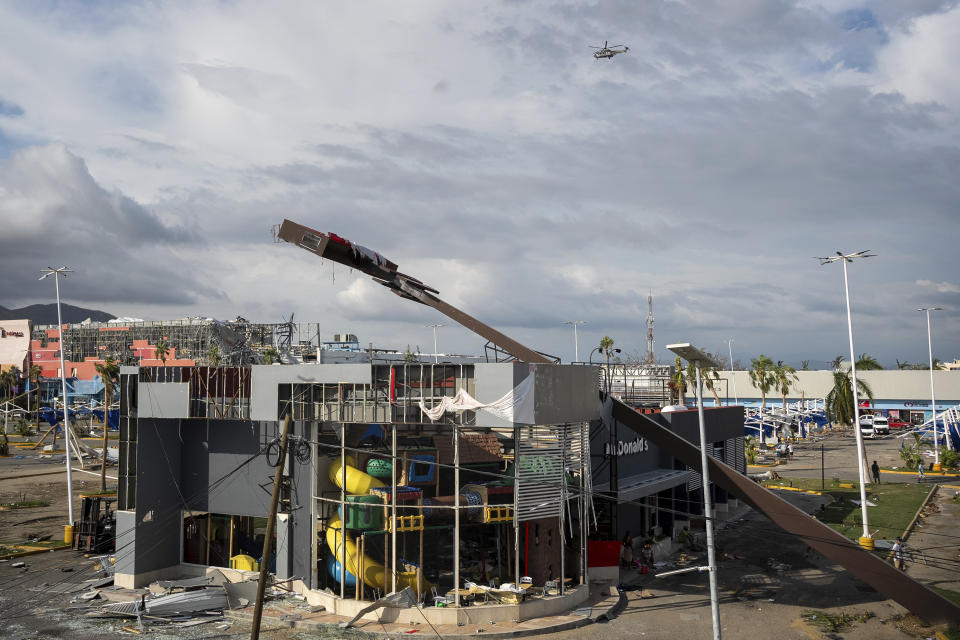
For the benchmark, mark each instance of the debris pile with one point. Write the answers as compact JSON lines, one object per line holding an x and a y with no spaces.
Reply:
{"x":181,"y":603}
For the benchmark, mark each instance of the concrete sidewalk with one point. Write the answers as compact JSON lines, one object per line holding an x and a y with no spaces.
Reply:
{"x":603,"y":604}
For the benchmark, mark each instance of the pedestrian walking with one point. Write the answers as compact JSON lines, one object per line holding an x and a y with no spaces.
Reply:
{"x":919,"y":470}
{"x":626,"y":552}
{"x":790,"y":451}
{"x":898,"y":554}
{"x":875,"y":468}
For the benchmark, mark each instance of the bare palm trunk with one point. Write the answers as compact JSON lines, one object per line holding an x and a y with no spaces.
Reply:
{"x":716,"y":398}
{"x":763,"y":405}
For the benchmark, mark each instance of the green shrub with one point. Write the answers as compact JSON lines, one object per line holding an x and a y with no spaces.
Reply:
{"x":949,"y":458}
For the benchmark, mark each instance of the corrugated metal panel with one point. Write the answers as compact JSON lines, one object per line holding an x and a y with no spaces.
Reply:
{"x":733,"y":454}
{"x":539,"y":472}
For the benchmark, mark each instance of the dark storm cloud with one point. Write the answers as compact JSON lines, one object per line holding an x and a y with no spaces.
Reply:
{"x":10,"y":109}
{"x":56,"y":213}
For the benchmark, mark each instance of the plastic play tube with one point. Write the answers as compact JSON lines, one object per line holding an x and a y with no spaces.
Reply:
{"x":374,"y":573}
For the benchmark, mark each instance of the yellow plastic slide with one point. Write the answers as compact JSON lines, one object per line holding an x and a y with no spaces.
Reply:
{"x":374,"y":573}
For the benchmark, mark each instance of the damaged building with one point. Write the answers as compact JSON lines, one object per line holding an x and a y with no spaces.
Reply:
{"x":413,"y":475}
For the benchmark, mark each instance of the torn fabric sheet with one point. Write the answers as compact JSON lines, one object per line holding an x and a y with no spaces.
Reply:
{"x":516,"y":406}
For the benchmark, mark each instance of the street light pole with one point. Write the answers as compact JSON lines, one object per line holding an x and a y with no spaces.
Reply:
{"x":698,"y":358}
{"x":436,"y":354}
{"x":933,"y":396}
{"x":56,"y":273}
{"x":866,"y":540}
{"x":576,"y":342}
{"x":736,"y":398}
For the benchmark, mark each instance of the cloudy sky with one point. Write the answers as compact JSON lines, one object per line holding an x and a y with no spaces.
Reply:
{"x":480,"y":146}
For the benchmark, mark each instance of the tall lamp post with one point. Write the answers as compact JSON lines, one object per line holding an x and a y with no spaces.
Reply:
{"x":736,"y":398}
{"x":699,"y":359}
{"x":57,"y":273}
{"x":576,"y":342}
{"x":933,"y":396}
{"x":866,"y":540}
{"x":436,"y":354}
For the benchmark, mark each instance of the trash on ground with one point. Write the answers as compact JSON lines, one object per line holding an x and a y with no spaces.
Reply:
{"x":779,"y":567}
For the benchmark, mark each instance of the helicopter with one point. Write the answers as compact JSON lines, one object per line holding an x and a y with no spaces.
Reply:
{"x":607,"y":51}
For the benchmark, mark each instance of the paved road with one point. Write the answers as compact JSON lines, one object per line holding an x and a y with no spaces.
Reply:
{"x":756,"y":602}
{"x":840,"y":458}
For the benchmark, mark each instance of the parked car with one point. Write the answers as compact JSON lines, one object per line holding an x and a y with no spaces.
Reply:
{"x":880,"y":426}
{"x":866,"y":426}
{"x":897,"y":423}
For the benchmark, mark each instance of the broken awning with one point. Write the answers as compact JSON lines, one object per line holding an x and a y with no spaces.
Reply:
{"x":648,"y":483}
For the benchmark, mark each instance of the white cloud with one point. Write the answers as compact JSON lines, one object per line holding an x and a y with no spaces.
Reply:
{"x":942,"y":287}
{"x":920,"y":60}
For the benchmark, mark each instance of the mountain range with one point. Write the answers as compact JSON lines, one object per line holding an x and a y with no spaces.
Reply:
{"x":47,"y":314}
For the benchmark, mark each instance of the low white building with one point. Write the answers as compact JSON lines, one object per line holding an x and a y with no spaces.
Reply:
{"x":898,"y":394}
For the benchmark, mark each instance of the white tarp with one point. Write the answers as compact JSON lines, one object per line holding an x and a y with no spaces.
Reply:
{"x":516,"y":406}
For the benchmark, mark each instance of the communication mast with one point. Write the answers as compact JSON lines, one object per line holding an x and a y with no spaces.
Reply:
{"x":651,"y":359}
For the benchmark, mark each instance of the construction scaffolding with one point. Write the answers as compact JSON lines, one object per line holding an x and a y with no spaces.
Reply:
{"x":203,"y":340}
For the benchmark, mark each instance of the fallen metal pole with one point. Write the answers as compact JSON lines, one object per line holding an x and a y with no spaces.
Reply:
{"x":268,"y":538}
{"x":679,"y":571}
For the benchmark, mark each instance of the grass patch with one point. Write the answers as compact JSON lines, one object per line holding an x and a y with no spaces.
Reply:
{"x":23,"y":505}
{"x":896,"y":505}
{"x":833,"y":622}
{"x":953,"y":596}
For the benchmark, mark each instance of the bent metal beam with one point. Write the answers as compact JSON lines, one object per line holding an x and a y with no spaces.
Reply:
{"x":383,"y":271}
{"x":879,"y":574}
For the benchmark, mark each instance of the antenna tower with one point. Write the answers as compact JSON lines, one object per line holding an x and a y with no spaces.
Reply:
{"x":651,"y":359}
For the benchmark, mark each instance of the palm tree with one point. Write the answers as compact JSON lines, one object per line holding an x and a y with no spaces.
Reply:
{"x":213,"y":355}
{"x":6,"y":383}
{"x":839,"y":404}
{"x":109,"y":373}
{"x":836,"y":363}
{"x":270,"y":355}
{"x":904,"y":365}
{"x":679,"y":381}
{"x":161,"y":351}
{"x":804,"y":365}
{"x":783,"y":378}
{"x":606,"y":346}
{"x":710,"y":377}
{"x":761,"y":376}
{"x":867,"y":362}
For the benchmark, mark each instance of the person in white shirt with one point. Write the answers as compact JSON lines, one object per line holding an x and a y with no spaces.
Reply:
{"x":898,"y":554}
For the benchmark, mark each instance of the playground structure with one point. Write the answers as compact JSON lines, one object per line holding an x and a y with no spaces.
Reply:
{"x":453,"y":509}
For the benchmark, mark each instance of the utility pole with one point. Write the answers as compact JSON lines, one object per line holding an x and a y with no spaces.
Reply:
{"x":436,"y":354}
{"x":268,"y":538}
{"x":733,"y":375}
{"x":576,"y":341}
{"x":651,"y":356}
{"x":68,"y":530}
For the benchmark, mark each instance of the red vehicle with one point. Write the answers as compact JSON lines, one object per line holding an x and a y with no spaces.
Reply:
{"x":897,"y":423}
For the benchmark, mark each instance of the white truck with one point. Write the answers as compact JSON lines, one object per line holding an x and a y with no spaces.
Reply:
{"x":881,"y":427}
{"x":866,"y":426}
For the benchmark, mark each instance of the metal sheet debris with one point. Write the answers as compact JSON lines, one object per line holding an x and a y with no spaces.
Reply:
{"x":241,"y":594}
{"x":186,"y":583}
{"x":187,"y":602}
